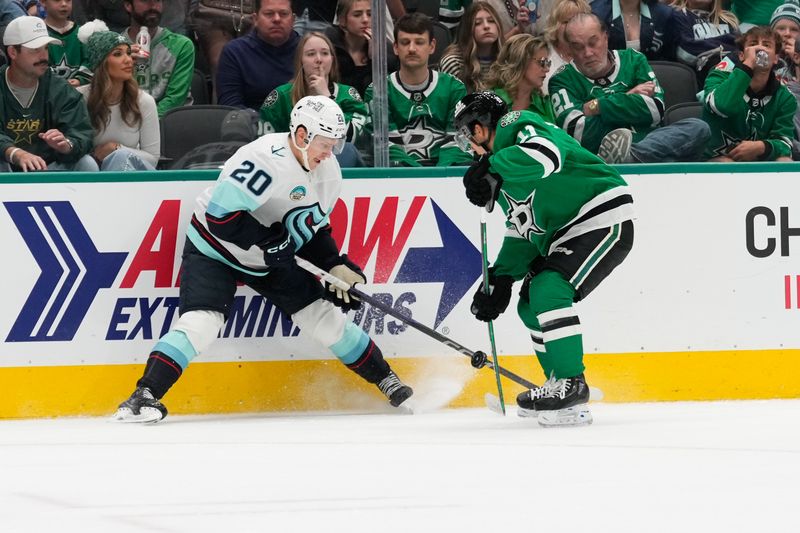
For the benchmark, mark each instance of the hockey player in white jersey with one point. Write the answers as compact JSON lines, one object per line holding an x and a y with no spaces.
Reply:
{"x":271,"y":201}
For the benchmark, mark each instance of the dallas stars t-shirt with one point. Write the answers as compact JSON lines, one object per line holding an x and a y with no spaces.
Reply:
{"x":421,"y":127}
{"x":68,"y":60}
{"x":553,"y":190}
{"x":735,"y":113}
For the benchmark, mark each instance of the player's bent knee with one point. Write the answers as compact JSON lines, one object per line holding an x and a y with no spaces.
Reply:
{"x":200,"y":327}
{"x":322,"y":320}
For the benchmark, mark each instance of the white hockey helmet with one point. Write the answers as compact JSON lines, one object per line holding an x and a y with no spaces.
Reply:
{"x":319,"y":115}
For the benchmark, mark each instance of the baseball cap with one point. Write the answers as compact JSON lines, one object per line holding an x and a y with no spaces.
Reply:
{"x":30,"y":32}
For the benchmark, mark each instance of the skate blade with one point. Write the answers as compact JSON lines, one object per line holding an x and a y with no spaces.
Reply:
{"x":147,"y":415}
{"x":493,"y":403}
{"x":527,"y":413}
{"x":578,"y":415}
{"x":595,"y":394}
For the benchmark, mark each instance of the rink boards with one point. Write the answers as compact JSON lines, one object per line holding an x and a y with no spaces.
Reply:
{"x":705,"y":307}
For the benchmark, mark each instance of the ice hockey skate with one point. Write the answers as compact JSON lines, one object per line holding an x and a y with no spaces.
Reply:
{"x":395,"y":390}
{"x":141,"y":407}
{"x":565,"y":404}
{"x":526,"y":400}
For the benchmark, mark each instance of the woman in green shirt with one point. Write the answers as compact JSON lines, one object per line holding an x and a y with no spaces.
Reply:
{"x":518,"y":75}
{"x":317,"y":73}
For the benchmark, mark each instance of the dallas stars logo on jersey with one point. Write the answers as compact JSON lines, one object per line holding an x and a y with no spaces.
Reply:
{"x":421,"y":127}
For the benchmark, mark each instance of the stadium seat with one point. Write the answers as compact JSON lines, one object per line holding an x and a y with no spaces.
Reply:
{"x":184,"y":128}
{"x":678,"y":81}
{"x":443,"y":39}
{"x":683,"y":110}
{"x":201,"y":85}
{"x":428,"y":7}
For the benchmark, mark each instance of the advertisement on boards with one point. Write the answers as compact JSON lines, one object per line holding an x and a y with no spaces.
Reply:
{"x":92,"y":271}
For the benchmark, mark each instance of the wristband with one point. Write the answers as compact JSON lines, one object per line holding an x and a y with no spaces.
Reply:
{"x":10,"y":157}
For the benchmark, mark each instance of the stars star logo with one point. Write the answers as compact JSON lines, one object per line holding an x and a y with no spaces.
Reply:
{"x":520,"y":214}
{"x":419,"y":139}
{"x":728,"y":143}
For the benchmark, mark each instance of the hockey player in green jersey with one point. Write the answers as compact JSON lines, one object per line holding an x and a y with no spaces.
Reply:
{"x":569,"y":224}
{"x":612,"y":103}
{"x":421,"y":100}
{"x":750,"y":112}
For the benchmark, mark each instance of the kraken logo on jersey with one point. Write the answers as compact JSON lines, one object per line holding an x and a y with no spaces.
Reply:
{"x":520,"y":214}
{"x":300,"y":223}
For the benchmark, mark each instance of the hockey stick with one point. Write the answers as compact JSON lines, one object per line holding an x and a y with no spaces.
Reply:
{"x":478,"y":358}
{"x":490,"y":324}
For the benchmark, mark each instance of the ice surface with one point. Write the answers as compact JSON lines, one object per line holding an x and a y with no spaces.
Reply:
{"x":666,"y":467}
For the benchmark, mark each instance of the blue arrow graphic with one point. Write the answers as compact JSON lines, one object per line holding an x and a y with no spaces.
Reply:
{"x":72,"y":271}
{"x":457,"y":263}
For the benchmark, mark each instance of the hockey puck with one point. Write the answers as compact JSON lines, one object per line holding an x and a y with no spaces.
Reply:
{"x":478,"y":359}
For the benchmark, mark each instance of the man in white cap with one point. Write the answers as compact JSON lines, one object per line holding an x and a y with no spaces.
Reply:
{"x":44,"y":124}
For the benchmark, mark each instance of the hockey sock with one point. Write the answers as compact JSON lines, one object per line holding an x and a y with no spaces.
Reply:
{"x":371,"y":365}
{"x":160,"y":373}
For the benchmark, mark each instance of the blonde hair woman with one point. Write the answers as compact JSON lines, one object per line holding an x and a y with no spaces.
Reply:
{"x":557,"y":19}
{"x":317,"y":73}
{"x":518,"y":75}
{"x":477,"y":44}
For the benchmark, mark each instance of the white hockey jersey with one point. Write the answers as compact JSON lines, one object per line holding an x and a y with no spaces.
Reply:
{"x":264,"y":179}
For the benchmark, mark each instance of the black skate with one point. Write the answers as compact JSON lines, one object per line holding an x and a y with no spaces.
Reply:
{"x":394,"y":389}
{"x":141,"y":407}
{"x":526,"y":400}
{"x":565,"y":404}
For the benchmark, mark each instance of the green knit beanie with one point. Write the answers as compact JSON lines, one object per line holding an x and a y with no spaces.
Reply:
{"x":98,"y":41}
{"x":789,"y":10}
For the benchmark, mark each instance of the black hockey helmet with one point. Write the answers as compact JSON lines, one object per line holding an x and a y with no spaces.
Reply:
{"x":484,"y":108}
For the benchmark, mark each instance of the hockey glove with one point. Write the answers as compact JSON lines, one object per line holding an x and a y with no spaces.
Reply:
{"x":278,"y":247}
{"x":350,"y":273}
{"x":481,"y":185}
{"x":487,"y":307}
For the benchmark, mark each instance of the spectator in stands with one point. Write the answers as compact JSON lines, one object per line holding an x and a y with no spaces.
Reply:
{"x":217,"y":22}
{"x":168,"y":75}
{"x":637,"y":24}
{"x":317,"y":73}
{"x":560,"y":53}
{"x":351,"y":38}
{"x":9,"y":10}
{"x":750,"y":112}
{"x":702,"y":33}
{"x":513,"y":15}
{"x":250,"y":67}
{"x":67,"y":59}
{"x":478,"y":42}
{"x":519,"y":73}
{"x":421,"y":101}
{"x":786,"y":23}
{"x":754,"y":12}
{"x":124,"y":118}
{"x":116,"y":17}
{"x":608,"y":99}
{"x":44,"y":121}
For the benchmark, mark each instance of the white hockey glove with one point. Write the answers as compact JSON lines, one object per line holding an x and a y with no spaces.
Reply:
{"x":350,"y":273}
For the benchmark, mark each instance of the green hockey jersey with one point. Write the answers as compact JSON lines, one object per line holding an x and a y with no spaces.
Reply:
{"x":68,"y":60}
{"x":569,"y":90}
{"x":277,"y":108}
{"x":735,"y":113}
{"x":553,"y":190}
{"x":421,"y":127}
